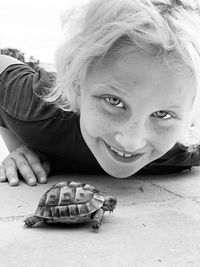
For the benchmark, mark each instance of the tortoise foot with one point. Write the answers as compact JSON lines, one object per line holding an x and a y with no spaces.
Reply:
{"x":30,"y":221}
{"x":96,"y":226}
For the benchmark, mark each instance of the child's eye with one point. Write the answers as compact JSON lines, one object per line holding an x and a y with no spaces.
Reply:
{"x":162,"y":115}
{"x":114,"y":101}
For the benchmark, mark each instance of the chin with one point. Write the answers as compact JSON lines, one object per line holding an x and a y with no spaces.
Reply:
{"x":121,"y":174}
{"x":119,"y":170}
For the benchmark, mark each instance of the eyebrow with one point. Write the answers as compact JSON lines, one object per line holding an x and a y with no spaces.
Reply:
{"x":116,"y":89}
{"x":173,"y":106}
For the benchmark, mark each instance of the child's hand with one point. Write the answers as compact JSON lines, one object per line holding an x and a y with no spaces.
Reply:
{"x":33,"y":166}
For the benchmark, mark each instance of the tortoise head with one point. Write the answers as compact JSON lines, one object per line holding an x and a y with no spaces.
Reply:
{"x":109,"y":204}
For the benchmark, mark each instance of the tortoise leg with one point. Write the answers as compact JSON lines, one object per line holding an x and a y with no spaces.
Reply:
{"x":97,"y":220}
{"x":32,"y":220}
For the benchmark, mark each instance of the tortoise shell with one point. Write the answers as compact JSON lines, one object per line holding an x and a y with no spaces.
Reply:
{"x":69,"y":202}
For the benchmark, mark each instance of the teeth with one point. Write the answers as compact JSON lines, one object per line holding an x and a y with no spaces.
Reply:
{"x":127,"y":155}
{"x":124,"y":155}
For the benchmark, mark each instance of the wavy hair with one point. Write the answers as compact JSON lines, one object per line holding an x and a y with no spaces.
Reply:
{"x":165,"y":29}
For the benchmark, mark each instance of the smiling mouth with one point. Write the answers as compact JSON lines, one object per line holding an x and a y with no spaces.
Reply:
{"x":121,"y":156}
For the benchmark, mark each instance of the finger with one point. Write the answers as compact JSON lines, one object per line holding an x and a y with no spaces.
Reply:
{"x":39,"y":171}
{"x":36,"y":166}
{"x":11,"y":172}
{"x":25,"y":169}
{"x":2,"y":174}
{"x":47,"y":166}
{"x":45,"y":163}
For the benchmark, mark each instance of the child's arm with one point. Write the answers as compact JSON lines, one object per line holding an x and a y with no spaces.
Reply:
{"x":32,"y":165}
{"x":9,"y":138}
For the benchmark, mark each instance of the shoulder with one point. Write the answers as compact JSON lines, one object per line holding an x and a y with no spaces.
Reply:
{"x":175,"y":160}
{"x":6,"y":61}
{"x":21,"y":90}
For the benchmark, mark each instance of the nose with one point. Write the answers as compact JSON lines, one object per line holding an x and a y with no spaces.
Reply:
{"x":132,"y":139}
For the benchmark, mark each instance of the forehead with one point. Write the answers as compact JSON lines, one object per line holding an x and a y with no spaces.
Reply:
{"x":137,"y":71}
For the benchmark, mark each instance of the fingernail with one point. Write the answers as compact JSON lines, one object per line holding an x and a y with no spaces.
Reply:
{"x":13,"y":182}
{"x":43,"y":180}
{"x":2,"y":178}
{"x":32,"y":181}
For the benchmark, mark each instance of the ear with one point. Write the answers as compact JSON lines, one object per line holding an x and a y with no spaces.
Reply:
{"x":77,"y":95}
{"x":77,"y":87}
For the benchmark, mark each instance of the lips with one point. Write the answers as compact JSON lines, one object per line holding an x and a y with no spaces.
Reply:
{"x":121,"y":156}
{"x":120,"y":153}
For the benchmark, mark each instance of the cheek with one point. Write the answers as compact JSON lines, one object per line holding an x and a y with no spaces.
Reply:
{"x":96,"y":122}
{"x":166,"y":139}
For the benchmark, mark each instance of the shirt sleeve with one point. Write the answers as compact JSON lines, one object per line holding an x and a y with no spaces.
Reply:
{"x":21,"y":90}
{"x":178,"y":159}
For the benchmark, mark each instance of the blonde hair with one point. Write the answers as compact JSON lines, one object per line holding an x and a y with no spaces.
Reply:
{"x":165,"y":29}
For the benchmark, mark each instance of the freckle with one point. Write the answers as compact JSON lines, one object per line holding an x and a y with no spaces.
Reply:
{"x":108,"y":116}
{"x":111,"y":118}
{"x":134,"y":125}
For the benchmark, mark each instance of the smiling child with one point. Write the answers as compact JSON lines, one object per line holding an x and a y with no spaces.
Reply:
{"x":125,"y":98}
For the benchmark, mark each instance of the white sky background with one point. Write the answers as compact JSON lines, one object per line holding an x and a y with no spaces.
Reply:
{"x":33,"y":27}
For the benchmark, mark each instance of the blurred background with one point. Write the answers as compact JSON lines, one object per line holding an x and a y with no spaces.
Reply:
{"x":31,"y":32}
{"x":33,"y":27}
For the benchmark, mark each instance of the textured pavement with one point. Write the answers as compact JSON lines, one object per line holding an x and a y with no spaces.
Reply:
{"x":156,"y":223}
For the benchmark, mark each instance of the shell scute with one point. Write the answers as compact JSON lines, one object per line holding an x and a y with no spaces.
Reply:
{"x":73,"y":210}
{"x":42,"y":200}
{"x":67,"y":195}
{"x":61,"y":184}
{"x":95,"y":204}
{"x":83,"y":195}
{"x":47,"y":212}
{"x":55,"y":212}
{"x":83,"y":209}
{"x":88,"y":187}
{"x":52,"y":197}
{"x":74,"y":184}
{"x":98,"y":196}
{"x":40,"y":211}
{"x":64,"y":211}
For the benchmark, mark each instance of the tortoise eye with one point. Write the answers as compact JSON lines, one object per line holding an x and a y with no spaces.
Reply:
{"x":111,"y":200}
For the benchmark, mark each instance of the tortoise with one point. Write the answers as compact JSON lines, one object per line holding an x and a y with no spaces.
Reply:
{"x":72,"y":202}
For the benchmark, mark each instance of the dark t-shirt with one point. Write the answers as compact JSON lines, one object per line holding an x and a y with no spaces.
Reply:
{"x":56,"y":133}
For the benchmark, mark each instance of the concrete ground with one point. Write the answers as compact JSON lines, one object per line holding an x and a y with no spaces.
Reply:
{"x":156,"y":223}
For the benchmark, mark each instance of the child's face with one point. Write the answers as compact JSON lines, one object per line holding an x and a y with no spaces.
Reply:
{"x":134,"y":106}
